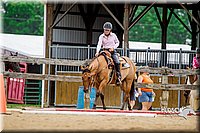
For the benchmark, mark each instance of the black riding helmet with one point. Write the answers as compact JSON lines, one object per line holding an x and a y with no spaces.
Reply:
{"x":107,"y":25}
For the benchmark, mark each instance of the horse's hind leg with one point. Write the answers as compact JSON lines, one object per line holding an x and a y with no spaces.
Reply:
{"x":102,"y":99}
{"x":126,"y":88}
{"x":124,"y":99}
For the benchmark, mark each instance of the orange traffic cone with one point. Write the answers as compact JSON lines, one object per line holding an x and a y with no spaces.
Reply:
{"x":3,"y":95}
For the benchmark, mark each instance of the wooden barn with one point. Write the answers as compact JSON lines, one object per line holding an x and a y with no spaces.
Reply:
{"x":72,"y":31}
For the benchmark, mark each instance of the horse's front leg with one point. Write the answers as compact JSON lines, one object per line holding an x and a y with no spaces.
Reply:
{"x":97,"y":96}
{"x":101,"y":87}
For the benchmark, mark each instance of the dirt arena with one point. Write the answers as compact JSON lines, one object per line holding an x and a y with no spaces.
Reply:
{"x":16,"y":121}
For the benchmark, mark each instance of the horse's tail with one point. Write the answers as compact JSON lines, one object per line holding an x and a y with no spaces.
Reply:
{"x":132,"y":88}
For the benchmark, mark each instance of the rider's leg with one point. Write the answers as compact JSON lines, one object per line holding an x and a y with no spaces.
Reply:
{"x":117,"y":66}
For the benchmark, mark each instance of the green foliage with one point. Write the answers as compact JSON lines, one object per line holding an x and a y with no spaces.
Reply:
{"x":23,"y":18}
{"x":148,"y":28}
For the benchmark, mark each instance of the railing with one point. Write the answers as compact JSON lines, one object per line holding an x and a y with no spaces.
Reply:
{"x":161,"y":71}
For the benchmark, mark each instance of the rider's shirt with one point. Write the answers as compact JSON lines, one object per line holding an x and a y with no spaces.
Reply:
{"x":196,"y":62}
{"x":110,"y":41}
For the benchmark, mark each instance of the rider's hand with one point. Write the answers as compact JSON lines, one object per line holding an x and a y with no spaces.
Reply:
{"x":96,"y":54}
{"x":111,"y":49}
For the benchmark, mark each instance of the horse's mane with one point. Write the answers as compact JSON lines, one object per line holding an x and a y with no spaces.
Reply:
{"x":89,"y":61}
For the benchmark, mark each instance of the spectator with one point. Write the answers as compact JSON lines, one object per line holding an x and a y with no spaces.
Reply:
{"x":146,"y":95}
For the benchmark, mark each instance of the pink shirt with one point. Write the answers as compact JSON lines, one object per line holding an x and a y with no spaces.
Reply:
{"x":110,"y":41}
{"x":196,"y":62}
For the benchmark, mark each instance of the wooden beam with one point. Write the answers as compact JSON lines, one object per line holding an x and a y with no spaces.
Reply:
{"x":58,"y":7}
{"x":167,"y":86}
{"x":164,"y":31}
{"x":126,"y":31}
{"x":186,"y":27}
{"x":167,"y":71}
{"x":132,"y":13}
{"x":158,"y":16}
{"x":197,"y":22}
{"x":169,"y":17}
{"x":111,"y":14}
{"x":43,"y":77}
{"x":42,"y":60}
{"x":79,"y":79}
{"x":140,"y":15}
{"x":55,"y":23}
{"x":83,"y":14}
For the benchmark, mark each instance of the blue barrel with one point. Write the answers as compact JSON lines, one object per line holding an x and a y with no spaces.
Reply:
{"x":80,"y":101}
{"x":92,"y":97}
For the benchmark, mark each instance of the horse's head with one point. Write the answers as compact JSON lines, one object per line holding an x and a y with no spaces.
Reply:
{"x":86,"y":77}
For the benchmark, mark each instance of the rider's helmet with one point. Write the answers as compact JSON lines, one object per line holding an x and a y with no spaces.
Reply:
{"x":107,"y":25}
{"x":198,"y":50}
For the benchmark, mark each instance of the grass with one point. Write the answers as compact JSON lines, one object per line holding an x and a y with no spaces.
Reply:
{"x":20,"y":106}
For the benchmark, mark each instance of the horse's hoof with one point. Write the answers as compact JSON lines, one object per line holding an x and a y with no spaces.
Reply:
{"x":94,"y":106}
{"x":121,"y":109}
{"x":104,"y":108}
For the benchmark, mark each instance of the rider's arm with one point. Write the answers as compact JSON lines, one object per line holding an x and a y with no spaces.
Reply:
{"x":99,"y":44}
{"x":116,"y":41}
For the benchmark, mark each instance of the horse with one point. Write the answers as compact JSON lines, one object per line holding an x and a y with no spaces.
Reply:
{"x":100,"y":72}
{"x":193,"y":94}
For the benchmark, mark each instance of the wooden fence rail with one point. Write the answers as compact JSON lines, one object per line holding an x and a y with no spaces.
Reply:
{"x":42,"y":60}
{"x":162,"y":71}
{"x":79,"y":79}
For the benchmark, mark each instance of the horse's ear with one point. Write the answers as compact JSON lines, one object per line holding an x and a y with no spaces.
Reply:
{"x":82,"y":67}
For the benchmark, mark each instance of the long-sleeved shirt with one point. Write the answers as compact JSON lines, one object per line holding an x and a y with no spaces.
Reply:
{"x":196,"y":63}
{"x":110,"y":41}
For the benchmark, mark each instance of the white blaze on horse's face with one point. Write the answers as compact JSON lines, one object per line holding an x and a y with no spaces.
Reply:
{"x":86,"y":81}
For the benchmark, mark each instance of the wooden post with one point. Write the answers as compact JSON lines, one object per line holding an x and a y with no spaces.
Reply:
{"x":194,"y":30}
{"x":126,"y":25}
{"x":165,"y":94}
{"x":49,"y":34}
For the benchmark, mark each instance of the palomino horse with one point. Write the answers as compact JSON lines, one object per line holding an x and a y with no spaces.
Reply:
{"x":99,"y":74}
{"x":193,"y":94}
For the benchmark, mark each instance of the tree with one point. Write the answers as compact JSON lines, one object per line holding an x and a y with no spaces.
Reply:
{"x":148,"y":28}
{"x":23,"y":17}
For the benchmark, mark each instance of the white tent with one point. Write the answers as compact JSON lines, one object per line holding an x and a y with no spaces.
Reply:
{"x":146,"y":45}
{"x":28,"y":45}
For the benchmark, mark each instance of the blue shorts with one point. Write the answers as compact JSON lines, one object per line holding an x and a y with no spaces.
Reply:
{"x":146,"y":97}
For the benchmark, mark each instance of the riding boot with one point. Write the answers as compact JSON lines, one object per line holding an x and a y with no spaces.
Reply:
{"x":118,"y":73}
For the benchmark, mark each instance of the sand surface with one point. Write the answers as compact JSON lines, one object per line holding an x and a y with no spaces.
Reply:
{"x":16,"y":121}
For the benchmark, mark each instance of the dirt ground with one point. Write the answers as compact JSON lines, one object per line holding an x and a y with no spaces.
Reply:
{"x":16,"y":121}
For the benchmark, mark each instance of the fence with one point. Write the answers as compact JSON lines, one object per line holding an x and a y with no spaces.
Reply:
{"x":75,"y":56}
{"x":175,"y":59}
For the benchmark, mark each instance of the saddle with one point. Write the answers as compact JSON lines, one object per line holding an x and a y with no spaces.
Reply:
{"x":123,"y":65}
{"x":107,"y":55}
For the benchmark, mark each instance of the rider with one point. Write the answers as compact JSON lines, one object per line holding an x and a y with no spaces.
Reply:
{"x":110,"y":42}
